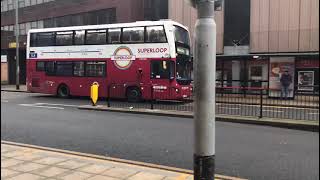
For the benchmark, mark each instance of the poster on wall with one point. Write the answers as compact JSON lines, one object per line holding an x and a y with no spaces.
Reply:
{"x":4,"y":58}
{"x":281,"y":77}
{"x":305,"y":80}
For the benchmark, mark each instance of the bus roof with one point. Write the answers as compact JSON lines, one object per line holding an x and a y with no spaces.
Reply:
{"x":117,"y":25}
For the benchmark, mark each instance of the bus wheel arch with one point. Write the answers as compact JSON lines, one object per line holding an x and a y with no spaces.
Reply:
{"x":133,"y":94}
{"x":63,"y":91}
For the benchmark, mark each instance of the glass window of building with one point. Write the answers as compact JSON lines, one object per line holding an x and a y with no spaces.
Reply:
{"x":28,"y":26}
{"x":10,"y":5}
{"x":76,"y":20}
{"x":27,"y":2}
{"x":63,"y":21}
{"x":22,"y":29}
{"x":48,"y":23}
{"x":33,"y":2}
{"x":34,"y":25}
{"x":21,"y":3}
{"x":4,"y":5}
{"x":40,"y":24}
{"x":11,"y":28}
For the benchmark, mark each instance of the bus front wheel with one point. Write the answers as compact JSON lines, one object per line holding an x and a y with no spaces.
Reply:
{"x":134,"y":94}
{"x":63,"y":91}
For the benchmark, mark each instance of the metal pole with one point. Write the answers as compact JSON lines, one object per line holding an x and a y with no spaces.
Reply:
{"x":205,"y":87}
{"x":152,"y":100}
{"x":261,"y":102}
{"x":17,"y":46}
{"x":108,"y":100}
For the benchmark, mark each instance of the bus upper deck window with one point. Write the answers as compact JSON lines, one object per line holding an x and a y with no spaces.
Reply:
{"x":96,"y":36}
{"x":79,"y":37}
{"x":156,"y":34}
{"x":45,"y":39}
{"x":64,"y":38}
{"x":33,"y":39}
{"x":114,"y":36}
{"x":133,"y":35}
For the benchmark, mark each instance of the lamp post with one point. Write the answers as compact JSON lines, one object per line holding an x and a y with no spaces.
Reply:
{"x":205,"y":84}
{"x":17,"y":45}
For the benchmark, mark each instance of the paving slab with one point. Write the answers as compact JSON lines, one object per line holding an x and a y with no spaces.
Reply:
{"x":38,"y":162}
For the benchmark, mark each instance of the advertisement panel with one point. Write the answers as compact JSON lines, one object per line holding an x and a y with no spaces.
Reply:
{"x":305,"y":80}
{"x":281,"y":77}
{"x":4,"y":58}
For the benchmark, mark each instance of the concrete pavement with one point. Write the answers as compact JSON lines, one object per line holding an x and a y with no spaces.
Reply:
{"x":28,"y":162}
{"x":12,"y":88}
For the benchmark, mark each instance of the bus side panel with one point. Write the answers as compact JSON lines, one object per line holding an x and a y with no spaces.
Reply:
{"x":137,"y":75}
{"x":81,"y":86}
{"x":35,"y":79}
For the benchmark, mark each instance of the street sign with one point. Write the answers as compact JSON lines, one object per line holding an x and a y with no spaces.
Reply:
{"x":12,"y":45}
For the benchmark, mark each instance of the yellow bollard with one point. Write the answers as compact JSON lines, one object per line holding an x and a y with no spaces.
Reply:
{"x":94,"y":93}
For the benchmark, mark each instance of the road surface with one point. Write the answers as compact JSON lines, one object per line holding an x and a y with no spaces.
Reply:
{"x":248,"y":151}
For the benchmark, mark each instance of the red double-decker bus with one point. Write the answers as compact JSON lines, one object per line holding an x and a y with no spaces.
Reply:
{"x":130,"y":60}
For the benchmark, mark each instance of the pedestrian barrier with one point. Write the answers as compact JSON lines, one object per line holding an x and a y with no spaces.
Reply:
{"x":230,"y":100}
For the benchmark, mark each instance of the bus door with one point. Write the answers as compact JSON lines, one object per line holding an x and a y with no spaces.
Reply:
{"x":162,"y":74}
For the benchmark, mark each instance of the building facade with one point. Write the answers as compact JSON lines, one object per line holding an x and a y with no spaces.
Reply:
{"x":256,"y":39}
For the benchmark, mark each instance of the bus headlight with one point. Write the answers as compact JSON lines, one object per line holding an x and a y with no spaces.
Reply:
{"x":177,"y":90}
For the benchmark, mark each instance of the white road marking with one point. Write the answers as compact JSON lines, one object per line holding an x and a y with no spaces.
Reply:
{"x":48,"y":107}
{"x":229,"y":108}
{"x":316,"y":113}
{"x":275,"y":106}
{"x":272,"y":111}
{"x":4,"y":101}
{"x":66,"y":105}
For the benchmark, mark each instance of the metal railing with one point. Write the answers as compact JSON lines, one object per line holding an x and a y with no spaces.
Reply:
{"x":237,"y":100}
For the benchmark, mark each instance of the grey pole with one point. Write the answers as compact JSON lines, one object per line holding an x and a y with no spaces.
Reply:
{"x":17,"y":46}
{"x":205,"y":79}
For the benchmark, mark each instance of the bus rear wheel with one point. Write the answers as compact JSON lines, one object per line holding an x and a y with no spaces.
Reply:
{"x":133,"y":94}
{"x":63,"y":91}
